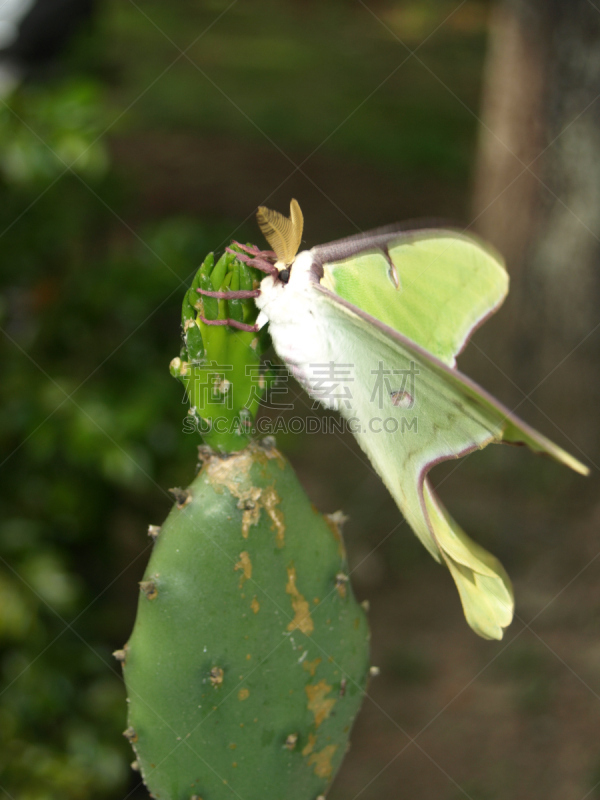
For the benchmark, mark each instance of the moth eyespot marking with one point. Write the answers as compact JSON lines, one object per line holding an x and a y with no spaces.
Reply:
{"x":392,"y":272}
{"x":284,"y":275}
{"x":402,"y":399}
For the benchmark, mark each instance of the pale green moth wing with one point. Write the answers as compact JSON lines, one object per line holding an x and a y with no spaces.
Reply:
{"x":434,"y":286}
{"x":398,"y":305}
{"x":436,"y":415}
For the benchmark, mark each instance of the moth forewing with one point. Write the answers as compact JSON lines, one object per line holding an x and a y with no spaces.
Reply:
{"x":434,"y":286}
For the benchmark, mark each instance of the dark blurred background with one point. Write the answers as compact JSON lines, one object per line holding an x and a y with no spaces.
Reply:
{"x":137,"y":136}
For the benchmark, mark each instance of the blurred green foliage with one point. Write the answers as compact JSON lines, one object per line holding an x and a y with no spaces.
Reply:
{"x":45,"y":130}
{"x":298,"y":72}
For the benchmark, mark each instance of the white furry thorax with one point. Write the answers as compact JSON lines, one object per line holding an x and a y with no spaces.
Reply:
{"x":296,"y":324}
{"x":276,"y":297}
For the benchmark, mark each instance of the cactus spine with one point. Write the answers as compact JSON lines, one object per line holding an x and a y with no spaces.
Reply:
{"x":249,"y":656}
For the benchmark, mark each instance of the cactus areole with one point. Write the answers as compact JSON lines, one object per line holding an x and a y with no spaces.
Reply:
{"x":249,"y":656}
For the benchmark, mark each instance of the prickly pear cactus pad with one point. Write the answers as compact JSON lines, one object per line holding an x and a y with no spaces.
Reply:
{"x":249,"y":656}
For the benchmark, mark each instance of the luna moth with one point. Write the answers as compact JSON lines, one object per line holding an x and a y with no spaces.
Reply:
{"x":385,"y":313}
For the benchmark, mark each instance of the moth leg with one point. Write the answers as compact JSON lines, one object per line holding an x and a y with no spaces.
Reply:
{"x":256,"y":251}
{"x":239,"y":294}
{"x":241,"y":326}
{"x":259,"y":259}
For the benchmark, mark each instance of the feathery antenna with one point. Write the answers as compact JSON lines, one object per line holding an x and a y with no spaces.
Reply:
{"x":282,"y":233}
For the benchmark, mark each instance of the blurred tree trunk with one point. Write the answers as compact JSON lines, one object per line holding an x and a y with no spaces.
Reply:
{"x":537,"y":198}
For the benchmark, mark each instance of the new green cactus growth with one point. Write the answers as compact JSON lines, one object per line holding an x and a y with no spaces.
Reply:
{"x":249,"y":656}
{"x":220,"y":365}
